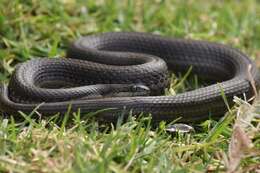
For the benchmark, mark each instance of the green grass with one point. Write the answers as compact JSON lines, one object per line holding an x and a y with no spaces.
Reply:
{"x":38,"y":28}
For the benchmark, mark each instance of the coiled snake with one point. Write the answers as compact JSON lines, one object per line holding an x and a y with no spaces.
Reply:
{"x":128,"y":72}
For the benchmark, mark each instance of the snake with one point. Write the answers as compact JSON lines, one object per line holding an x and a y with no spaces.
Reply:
{"x":126,"y":73}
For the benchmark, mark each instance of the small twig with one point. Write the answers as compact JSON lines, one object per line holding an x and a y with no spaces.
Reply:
{"x":251,"y":80}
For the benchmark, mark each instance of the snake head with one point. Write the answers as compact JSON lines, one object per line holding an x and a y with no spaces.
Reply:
{"x":126,"y":90}
{"x":140,"y":90}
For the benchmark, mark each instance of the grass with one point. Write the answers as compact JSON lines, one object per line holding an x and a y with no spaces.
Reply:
{"x":34,"y":28}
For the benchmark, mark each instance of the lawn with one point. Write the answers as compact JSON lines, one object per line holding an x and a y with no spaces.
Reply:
{"x":73,"y":143}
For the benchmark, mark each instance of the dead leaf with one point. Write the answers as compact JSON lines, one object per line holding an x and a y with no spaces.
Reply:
{"x":240,"y":145}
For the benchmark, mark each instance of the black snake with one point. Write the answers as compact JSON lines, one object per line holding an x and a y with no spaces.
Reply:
{"x":125,"y":72}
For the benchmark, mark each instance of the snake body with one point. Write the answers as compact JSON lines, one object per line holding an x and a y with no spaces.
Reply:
{"x":99,"y":65}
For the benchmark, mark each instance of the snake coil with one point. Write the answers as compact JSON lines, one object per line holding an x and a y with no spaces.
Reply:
{"x":100,"y":69}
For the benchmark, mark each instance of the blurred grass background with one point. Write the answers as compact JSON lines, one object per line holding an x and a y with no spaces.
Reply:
{"x":38,"y":28}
